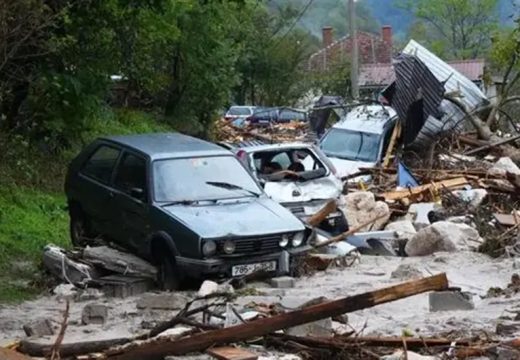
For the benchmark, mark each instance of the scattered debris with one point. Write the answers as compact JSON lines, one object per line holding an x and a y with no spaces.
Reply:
{"x":119,"y":262}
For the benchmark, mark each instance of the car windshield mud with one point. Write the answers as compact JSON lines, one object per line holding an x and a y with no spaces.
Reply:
{"x":190,"y":179}
{"x":351,"y":145}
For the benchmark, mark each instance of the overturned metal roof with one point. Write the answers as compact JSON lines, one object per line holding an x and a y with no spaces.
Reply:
{"x":422,"y":80}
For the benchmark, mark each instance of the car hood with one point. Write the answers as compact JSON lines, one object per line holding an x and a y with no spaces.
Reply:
{"x":318,"y":189}
{"x":349,"y":167}
{"x":260,"y":216}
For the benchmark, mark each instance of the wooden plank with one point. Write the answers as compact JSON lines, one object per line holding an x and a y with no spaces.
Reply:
{"x":231,"y":353}
{"x":8,"y":354}
{"x":507,"y":219}
{"x":198,"y":342}
{"x":395,"y":134}
{"x":322,"y":214}
{"x":490,"y":146}
{"x":401,"y":194}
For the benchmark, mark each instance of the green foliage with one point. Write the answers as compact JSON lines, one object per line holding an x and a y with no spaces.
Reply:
{"x":334,"y":81}
{"x":455,"y":28}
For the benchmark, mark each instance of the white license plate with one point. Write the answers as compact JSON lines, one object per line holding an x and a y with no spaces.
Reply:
{"x":246,"y":269}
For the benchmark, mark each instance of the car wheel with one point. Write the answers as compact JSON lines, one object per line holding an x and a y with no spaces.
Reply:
{"x":168,"y":275}
{"x":79,"y":229}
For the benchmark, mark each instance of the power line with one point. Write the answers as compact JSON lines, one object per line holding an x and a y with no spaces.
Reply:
{"x":298,"y":18}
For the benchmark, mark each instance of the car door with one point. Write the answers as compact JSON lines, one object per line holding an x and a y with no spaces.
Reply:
{"x":132,"y":200}
{"x":96,"y":193}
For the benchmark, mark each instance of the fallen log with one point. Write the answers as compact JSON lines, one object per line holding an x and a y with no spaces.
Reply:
{"x":199,"y":342}
{"x":322,"y":214}
{"x":491,"y":146}
{"x":38,"y":349}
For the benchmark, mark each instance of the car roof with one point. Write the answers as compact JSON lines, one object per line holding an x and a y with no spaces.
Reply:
{"x":242,"y":107}
{"x":167,"y":145}
{"x":367,"y":118}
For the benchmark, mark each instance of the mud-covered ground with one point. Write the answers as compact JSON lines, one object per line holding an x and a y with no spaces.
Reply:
{"x":472,"y":272}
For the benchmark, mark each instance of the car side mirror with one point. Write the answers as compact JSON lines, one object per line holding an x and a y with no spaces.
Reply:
{"x":137,"y":193}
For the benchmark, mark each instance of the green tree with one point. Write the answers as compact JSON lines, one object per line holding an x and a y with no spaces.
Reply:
{"x":461,"y":28}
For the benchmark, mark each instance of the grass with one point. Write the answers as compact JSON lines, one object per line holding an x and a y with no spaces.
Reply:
{"x":32,"y":204}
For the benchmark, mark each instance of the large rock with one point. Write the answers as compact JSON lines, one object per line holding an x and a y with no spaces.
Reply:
{"x":404,"y":229}
{"x":119,"y":261}
{"x":443,"y":236}
{"x":361,"y":207}
{"x":94,"y":314}
{"x":41,"y":327}
{"x":503,"y":166}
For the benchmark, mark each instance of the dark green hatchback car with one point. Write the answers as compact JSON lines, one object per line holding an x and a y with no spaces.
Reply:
{"x":187,"y":205}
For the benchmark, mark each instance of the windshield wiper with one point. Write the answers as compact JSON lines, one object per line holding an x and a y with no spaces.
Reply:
{"x":229,"y":186}
{"x":180,"y":202}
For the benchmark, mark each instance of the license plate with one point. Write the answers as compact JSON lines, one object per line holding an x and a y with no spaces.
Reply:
{"x":246,"y":269}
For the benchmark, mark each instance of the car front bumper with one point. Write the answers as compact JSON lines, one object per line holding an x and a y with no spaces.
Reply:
{"x":223,"y":266}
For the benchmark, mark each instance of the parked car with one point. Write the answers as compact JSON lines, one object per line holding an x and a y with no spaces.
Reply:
{"x":267,"y":116}
{"x":238,"y":114}
{"x":298,"y":176}
{"x":359,"y":140}
{"x":187,"y":205}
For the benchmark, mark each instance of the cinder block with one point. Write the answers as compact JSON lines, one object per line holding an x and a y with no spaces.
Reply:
{"x":94,"y":314}
{"x":449,"y":301}
{"x":42,"y":327}
{"x":283,"y":282}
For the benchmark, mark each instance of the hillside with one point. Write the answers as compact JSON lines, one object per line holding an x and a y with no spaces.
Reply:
{"x":371,"y":14}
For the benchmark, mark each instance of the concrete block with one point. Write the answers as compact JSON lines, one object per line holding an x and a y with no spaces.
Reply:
{"x":162,"y":301}
{"x":320,"y":328}
{"x":450,"y":300}
{"x":41,"y":327}
{"x":94,"y":314}
{"x":121,"y":286}
{"x":282,"y":282}
{"x":89,"y":295}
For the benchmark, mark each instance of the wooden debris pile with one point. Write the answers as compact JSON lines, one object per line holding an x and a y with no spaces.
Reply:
{"x":293,"y":131}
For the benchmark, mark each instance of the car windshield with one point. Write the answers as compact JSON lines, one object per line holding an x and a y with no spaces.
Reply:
{"x":194,"y":179}
{"x":239,"y":111}
{"x":351,"y":145}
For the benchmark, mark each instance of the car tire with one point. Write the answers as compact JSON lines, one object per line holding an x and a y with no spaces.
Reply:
{"x":80,"y":232}
{"x":168,"y":274}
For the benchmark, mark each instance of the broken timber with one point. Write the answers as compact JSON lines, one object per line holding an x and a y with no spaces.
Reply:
{"x":322,"y":214}
{"x":201,"y":341}
{"x":401,"y":194}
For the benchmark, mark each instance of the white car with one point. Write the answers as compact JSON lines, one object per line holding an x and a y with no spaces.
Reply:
{"x":238,"y":114}
{"x":297,"y":175}
{"x":360,"y":139}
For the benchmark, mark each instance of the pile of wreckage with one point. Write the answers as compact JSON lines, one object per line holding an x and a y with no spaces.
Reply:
{"x":463,"y":196}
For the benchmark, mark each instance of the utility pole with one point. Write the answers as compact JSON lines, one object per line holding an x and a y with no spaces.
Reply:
{"x":354,"y":58}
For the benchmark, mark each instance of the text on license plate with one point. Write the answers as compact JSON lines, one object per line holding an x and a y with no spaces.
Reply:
{"x":246,"y":269}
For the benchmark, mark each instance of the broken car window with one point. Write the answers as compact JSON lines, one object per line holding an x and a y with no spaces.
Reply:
{"x":270,"y":164}
{"x":191,"y":179}
{"x":351,"y":145}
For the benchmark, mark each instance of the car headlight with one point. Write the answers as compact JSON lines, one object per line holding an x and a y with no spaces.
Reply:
{"x":297,"y":239}
{"x":209,"y":248}
{"x":229,"y":247}
{"x":284,"y":241}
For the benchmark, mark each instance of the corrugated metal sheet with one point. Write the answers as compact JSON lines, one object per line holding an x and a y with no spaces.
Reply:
{"x":454,"y":80}
{"x":417,"y":95}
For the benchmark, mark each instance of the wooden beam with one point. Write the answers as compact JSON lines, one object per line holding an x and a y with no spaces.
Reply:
{"x":231,"y":353}
{"x":322,"y":214}
{"x":401,"y":194}
{"x":395,"y":134}
{"x":490,"y":146}
{"x":198,"y":342}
